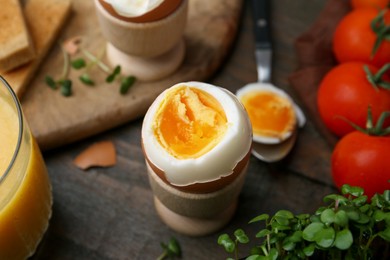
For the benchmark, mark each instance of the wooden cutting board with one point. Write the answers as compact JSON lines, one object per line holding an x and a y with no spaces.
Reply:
{"x":56,"y":120}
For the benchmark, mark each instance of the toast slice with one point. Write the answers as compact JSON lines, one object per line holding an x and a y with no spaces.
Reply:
{"x":16,"y":47}
{"x":44,"y":18}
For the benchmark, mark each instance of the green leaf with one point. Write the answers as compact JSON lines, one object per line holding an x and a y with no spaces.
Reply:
{"x":353,"y":190}
{"x":363,"y":219}
{"x":386,"y":195}
{"x":356,"y":191}
{"x":282,"y":220}
{"x":328,"y":216}
{"x":319,"y":233}
{"x":113,"y":75}
{"x":117,"y":70}
{"x":345,"y":188}
{"x":256,"y":250}
{"x":379,"y":215}
{"x":126,"y":84}
{"x":259,"y":218}
{"x":352,"y":213}
{"x":299,"y":254}
{"x":273,"y":254}
{"x":385,"y":234}
{"x":110,"y":78}
{"x":85,"y":78}
{"x":78,"y":63}
{"x":315,"y":218}
{"x":50,"y":82}
{"x":174,"y":248}
{"x":276,"y":237}
{"x":285,"y":214}
{"x":309,"y":250}
{"x":296,"y":236}
{"x":365,"y":208}
{"x":303,"y":216}
{"x":341,"y":218}
{"x":326,"y":237}
{"x":263,"y":233}
{"x":320,"y":210}
{"x":66,"y":88}
{"x":311,"y":231}
{"x":279,"y":227}
{"x":241,"y":236}
{"x":256,"y":257}
{"x":227,"y":243}
{"x":335,"y":197}
{"x":344,"y":239}
{"x":360,"y":201}
{"x":288,"y":245}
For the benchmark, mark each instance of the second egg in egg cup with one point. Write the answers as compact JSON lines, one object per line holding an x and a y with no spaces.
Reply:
{"x":149,"y":50}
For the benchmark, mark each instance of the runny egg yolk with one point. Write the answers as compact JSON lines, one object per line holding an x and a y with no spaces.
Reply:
{"x":270,"y":114}
{"x":189,"y":122}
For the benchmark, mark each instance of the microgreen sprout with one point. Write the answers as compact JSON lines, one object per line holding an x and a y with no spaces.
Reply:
{"x":172,"y":250}
{"x":350,"y":226}
{"x":64,"y":83}
{"x":231,"y":245}
{"x":70,"y":48}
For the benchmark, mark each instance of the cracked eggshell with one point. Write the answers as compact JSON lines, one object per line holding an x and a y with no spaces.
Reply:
{"x":214,"y":169}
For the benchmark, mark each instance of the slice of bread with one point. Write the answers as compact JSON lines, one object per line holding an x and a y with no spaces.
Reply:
{"x":16,"y":47}
{"x":44,"y":18}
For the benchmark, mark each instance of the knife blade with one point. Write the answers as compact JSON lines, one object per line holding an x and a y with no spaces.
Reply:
{"x":263,"y":44}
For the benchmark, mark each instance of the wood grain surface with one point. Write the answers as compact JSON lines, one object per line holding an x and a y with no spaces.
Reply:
{"x":108,"y":213}
{"x":56,"y":120}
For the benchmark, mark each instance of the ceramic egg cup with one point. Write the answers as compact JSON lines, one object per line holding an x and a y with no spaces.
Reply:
{"x":149,"y":51}
{"x":195,"y":214}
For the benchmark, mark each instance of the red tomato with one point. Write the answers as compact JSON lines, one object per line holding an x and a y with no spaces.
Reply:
{"x":345,"y":93}
{"x":362,"y":160}
{"x":369,"y":3}
{"x":354,"y":38}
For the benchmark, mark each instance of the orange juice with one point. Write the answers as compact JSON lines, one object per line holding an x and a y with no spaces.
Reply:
{"x":25,"y":191}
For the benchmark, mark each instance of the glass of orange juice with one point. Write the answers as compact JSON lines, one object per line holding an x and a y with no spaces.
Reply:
{"x":25,"y":190}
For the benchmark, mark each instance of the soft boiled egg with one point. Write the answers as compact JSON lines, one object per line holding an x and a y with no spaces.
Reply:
{"x":273,"y":113}
{"x":140,"y":11}
{"x":197,"y":137}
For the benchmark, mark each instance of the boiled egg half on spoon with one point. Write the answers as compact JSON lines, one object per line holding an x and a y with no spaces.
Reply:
{"x":275,"y":119}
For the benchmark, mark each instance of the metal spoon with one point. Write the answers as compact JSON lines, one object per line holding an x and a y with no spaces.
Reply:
{"x":263,"y":54}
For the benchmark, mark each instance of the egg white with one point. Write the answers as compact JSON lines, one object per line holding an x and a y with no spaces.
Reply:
{"x":301,"y":119}
{"x":133,"y":8}
{"x":216,"y":163}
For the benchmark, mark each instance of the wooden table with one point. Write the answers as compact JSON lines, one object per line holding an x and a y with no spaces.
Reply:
{"x":109,"y":213}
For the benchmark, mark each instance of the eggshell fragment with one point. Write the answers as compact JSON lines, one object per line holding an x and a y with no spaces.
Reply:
{"x":100,"y":154}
